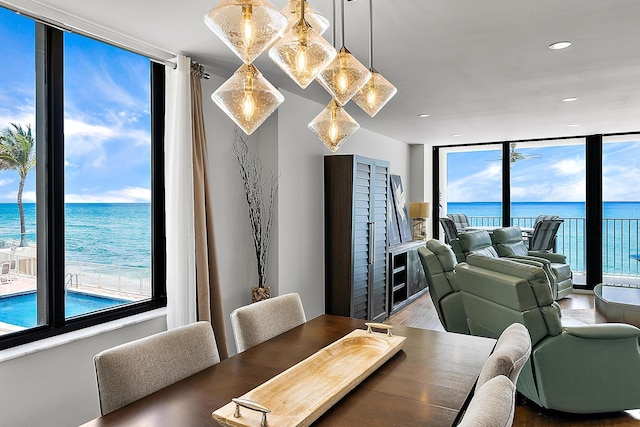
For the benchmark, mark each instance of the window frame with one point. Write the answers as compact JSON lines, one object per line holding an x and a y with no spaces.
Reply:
{"x":50,"y":198}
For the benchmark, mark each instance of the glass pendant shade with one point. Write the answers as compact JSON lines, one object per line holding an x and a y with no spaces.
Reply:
{"x":344,"y":76}
{"x":374,"y":94}
{"x":302,"y":54}
{"x":247,"y":27}
{"x":247,"y":98}
{"x":292,"y":12}
{"x":333,"y":126}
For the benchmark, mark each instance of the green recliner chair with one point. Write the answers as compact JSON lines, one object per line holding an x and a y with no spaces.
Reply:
{"x":508,"y":243}
{"x":476,"y":242}
{"x":438,"y":262}
{"x":578,"y":369}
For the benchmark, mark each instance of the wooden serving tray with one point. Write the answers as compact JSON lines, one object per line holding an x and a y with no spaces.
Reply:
{"x":302,"y":393}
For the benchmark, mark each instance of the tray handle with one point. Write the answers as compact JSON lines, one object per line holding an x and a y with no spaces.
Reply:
{"x":254,"y":406}
{"x":384,"y":326}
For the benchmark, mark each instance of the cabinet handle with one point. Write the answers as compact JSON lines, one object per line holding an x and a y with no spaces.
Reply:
{"x":372,"y":243}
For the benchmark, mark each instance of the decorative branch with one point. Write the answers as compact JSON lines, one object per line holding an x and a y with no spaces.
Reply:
{"x":260,"y":193}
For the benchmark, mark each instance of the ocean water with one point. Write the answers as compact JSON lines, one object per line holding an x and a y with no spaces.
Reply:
{"x":102,"y":233}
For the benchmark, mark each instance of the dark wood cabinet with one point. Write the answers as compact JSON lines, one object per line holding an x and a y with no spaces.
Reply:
{"x":407,"y":280}
{"x":356,"y":243}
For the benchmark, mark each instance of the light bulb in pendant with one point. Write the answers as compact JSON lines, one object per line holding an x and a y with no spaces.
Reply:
{"x":333,"y":126}
{"x":247,"y":98}
{"x":344,"y":76}
{"x":375,"y":94}
{"x":301,"y":59}
{"x":247,"y":25}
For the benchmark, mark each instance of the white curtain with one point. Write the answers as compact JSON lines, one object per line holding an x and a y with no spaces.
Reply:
{"x":181,"y":270}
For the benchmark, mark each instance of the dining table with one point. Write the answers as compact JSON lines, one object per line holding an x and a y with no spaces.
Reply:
{"x":430,"y":381}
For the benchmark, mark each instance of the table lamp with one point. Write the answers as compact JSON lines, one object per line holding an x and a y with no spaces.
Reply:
{"x":419,"y":212}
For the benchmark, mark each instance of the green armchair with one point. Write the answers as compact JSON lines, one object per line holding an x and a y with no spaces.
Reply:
{"x":438,"y":262}
{"x":508,"y":243}
{"x":579,"y":369}
{"x":476,"y":242}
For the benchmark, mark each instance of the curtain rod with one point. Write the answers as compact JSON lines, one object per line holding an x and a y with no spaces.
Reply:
{"x":73,"y":29}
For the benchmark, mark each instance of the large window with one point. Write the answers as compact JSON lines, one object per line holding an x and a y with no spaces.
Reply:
{"x":621,"y":208}
{"x":473,"y":177}
{"x":548,"y":178}
{"x":81,"y":167}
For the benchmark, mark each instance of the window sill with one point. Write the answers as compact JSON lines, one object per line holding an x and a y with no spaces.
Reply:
{"x":58,"y":340}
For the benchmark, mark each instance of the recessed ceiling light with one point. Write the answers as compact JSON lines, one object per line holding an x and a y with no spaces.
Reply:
{"x":424,"y":115}
{"x":574,"y":125}
{"x":455,"y":135}
{"x":559,"y":45}
{"x":570,"y":99}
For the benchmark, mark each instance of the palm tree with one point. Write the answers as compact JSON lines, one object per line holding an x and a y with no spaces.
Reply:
{"x":18,"y":151}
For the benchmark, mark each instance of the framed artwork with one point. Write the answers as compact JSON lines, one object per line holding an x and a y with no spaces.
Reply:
{"x":400,"y":204}
{"x":394,"y":231}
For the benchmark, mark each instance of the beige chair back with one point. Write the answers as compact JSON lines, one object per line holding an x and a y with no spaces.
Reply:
{"x":493,"y":405}
{"x":263,"y":320}
{"x":509,"y":356}
{"x":136,"y":369}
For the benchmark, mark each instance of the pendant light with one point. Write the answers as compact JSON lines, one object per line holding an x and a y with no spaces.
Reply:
{"x":292,"y":12}
{"x":345,"y":75}
{"x":333,"y":125}
{"x":247,"y":98}
{"x":302,"y":53}
{"x":247,"y":27}
{"x":378,"y":90}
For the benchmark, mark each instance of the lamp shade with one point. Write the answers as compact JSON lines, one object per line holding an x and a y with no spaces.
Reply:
{"x":333,"y":126}
{"x":344,"y":76}
{"x":247,"y":27}
{"x":292,"y":12}
{"x":374,"y":94}
{"x":419,"y":209}
{"x":247,"y":98}
{"x":302,"y":53}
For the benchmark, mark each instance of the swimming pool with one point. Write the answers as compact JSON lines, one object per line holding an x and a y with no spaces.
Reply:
{"x":20,"y":309}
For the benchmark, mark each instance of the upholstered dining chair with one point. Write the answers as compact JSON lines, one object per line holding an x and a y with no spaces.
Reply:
{"x":492,"y":405}
{"x":138,"y":368}
{"x":509,"y":355}
{"x":263,"y":320}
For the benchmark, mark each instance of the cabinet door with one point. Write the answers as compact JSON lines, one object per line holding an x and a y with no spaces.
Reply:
{"x":379,"y":304}
{"x":361,"y":236}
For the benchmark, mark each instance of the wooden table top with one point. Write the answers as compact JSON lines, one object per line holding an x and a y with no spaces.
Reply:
{"x":427,"y":383}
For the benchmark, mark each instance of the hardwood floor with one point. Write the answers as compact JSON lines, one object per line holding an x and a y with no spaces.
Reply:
{"x":578,"y":308}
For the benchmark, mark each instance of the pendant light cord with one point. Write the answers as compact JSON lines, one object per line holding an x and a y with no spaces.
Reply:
{"x":342,"y":18}
{"x":334,"y":24}
{"x":371,"y":35}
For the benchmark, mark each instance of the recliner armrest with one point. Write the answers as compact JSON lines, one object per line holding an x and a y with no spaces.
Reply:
{"x":551,"y":256}
{"x":603,"y":331}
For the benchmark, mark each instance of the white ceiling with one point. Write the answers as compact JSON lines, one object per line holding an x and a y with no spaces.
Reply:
{"x":480,"y":68}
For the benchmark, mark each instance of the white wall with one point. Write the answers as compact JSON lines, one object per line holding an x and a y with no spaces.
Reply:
{"x":56,"y":387}
{"x":301,"y":195}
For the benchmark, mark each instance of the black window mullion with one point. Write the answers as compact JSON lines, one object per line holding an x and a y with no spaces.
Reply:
{"x":158,"y":239}
{"x":506,"y":185}
{"x":435,"y":193}
{"x":593,"y":210}
{"x":50,"y":182}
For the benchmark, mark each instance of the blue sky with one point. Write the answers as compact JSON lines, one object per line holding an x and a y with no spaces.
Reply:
{"x":557,"y":174}
{"x":107,"y":117}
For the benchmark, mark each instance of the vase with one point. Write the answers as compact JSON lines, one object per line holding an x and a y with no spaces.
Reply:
{"x":259,"y":294}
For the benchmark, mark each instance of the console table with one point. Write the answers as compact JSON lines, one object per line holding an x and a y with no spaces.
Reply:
{"x":618,"y":303}
{"x":407,"y":280}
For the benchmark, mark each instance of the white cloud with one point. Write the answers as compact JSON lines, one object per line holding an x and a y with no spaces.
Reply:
{"x":569,"y":167}
{"x":124,"y":195}
{"x":481,"y":186}
{"x":4,"y":182}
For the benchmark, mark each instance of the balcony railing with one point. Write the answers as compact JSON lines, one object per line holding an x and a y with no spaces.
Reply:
{"x":620,"y":242}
